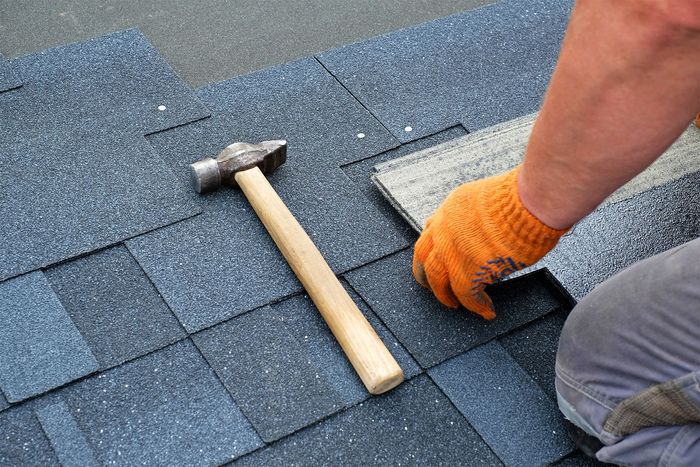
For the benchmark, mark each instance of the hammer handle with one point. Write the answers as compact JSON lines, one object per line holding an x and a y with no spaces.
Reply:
{"x":367,"y":353}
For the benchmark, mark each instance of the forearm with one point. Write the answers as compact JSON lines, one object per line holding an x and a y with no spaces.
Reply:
{"x":626,"y":86}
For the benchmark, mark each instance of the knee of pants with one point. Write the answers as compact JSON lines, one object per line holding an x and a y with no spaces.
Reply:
{"x":637,"y":329}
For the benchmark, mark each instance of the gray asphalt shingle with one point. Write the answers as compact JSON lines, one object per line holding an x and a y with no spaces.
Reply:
{"x":534,"y":347}
{"x":415,"y":424}
{"x":622,"y":233}
{"x":67,"y":440}
{"x":223,"y":263}
{"x":40,"y":347}
{"x":8,"y":78}
{"x":504,"y":405}
{"x":22,"y":440}
{"x":478,"y":67}
{"x":433,"y":333}
{"x":77,"y":167}
{"x":284,"y":368}
{"x":116,"y":308}
{"x":360,"y":171}
{"x":166,"y":408}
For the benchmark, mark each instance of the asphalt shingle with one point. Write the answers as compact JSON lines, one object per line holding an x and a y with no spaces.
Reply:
{"x":166,"y":408}
{"x":3,"y":402}
{"x":414,"y":424}
{"x":534,"y":347}
{"x":22,"y":440}
{"x":284,"y":368}
{"x":116,"y":308}
{"x":8,"y":77}
{"x":40,"y":346}
{"x":433,"y":333}
{"x":223,"y":262}
{"x":510,"y":412}
{"x":74,"y":154}
{"x":619,"y":234}
{"x":67,"y":440}
{"x":478,"y":67}
{"x":360,"y":171}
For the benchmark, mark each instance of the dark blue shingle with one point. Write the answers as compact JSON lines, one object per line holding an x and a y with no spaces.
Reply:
{"x":116,"y":308}
{"x":433,"y":333}
{"x":511,"y":413}
{"x":40,"y":347}
{"x":166,"y":408}
{"x":414,"y":424}
{"x":284,"y":368}
{"x":478,"y":67}
{"x":223,"y":262}
{"x":8,"y":78}
{"x":67,"y":440}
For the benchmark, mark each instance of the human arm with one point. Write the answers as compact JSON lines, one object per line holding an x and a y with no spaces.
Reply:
{"x":626,"y":85}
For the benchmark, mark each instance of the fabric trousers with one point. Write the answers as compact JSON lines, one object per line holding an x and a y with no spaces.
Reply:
{"x":628,"y":364}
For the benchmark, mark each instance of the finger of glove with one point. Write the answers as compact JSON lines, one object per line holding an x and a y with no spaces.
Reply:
{"x":471,"y":294}
{"x":422,"y":250}
{"x":479,"y":303}
{"x":439,"y":282}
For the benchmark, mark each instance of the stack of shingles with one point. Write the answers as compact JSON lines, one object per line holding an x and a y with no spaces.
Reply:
{"x":133,"y":332}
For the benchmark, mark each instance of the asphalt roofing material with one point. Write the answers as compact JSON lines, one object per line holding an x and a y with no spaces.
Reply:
{"x":433,"y":333}
{"x":478,"y":69}
{"x":201,"y":265}
{"x":119,"y":313}
{"x":481,"y":383}
{"x":302,"y":377}
{"x":8,"y":78}
{"x":414,"y":424}
{"x":40,"y":346}
{"x":82,"y":113}
{"x":192,"y":343}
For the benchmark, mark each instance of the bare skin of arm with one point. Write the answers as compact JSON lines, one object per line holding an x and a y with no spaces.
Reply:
{"x":627,"y":84}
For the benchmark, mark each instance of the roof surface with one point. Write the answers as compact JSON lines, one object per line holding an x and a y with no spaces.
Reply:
{"x":145,"y":324}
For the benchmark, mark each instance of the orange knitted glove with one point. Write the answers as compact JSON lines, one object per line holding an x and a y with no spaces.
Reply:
{"x":481,"y":233}
{"x":697,"y":120}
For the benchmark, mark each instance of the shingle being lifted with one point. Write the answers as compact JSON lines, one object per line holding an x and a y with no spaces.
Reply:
{"x":77,"y":173}
{"x":476,"y":68}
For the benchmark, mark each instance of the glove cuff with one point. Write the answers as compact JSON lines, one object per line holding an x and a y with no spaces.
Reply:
{"x":522,"y":231}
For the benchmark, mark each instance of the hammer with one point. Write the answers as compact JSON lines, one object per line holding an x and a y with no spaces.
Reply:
{"x":243,"y":165}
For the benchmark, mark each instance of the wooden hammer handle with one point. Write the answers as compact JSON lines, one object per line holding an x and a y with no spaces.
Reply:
{"x":367,"y":353}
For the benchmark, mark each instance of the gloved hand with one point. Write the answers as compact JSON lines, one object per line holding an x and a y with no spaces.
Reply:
{"x":481,"y":233}
{"x":697,"y":120}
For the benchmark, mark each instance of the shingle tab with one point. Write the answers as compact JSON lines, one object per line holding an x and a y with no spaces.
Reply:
{"x":66,"y":438}
{"x":534,"y":347}
{"x":510,"y":412}
{"x":40,"y":346}
{"x":74,"y":157}
{"x":284,"y":368}
{"x":433,"y":333}
{"x":167,"y":408}
{"x":414,"y":424}
{"x":623,"y":233}
{"x":223,"y":263}
{"x":117,"y":80}
{"x":478,"y":68}
{"x":116,"y":308}
{"x":359,"y":172}
{"x":8,"y":78}
{"x":22,"y":440}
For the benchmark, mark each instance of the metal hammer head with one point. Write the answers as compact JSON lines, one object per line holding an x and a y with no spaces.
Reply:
{"x":209,"y":173}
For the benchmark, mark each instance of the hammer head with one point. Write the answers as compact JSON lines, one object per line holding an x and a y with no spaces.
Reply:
{"x":209,"y":173}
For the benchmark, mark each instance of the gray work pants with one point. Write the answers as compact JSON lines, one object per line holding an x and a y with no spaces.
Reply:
{"x":628,"y":364}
